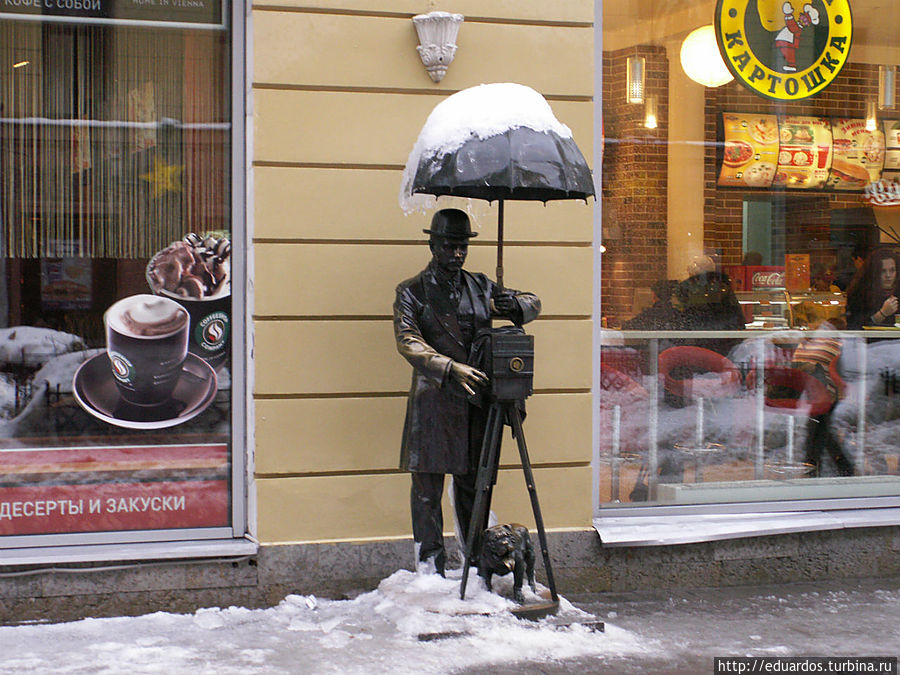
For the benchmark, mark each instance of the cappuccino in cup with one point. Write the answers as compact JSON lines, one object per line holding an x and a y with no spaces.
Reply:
{"x":146,"y":341}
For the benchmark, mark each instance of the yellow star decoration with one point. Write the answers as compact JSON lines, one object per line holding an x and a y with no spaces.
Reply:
{"x":164,"y":177}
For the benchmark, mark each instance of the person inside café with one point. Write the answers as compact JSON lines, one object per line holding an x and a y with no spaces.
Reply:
{"x":752,"y":258}
{"x":872,"y":295}
{"x":661,"y":315}
{"x":706,"y":301}
{"x":848,"y":263}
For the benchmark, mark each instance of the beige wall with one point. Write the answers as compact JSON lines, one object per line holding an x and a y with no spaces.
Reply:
{"x":338,"y":98}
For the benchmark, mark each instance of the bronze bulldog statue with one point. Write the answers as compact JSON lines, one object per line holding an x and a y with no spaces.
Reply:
{"x":505,"y":549}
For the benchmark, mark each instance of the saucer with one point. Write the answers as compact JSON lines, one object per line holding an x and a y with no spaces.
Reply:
{"x":96,"y":391}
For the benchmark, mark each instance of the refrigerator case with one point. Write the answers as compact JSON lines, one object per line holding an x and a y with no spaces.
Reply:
{"x":775,"y":309}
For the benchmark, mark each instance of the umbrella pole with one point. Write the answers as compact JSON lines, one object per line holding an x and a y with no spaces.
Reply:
{"x":500,"y":245}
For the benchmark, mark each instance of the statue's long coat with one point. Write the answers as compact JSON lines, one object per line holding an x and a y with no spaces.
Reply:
{"x":443,"y":431}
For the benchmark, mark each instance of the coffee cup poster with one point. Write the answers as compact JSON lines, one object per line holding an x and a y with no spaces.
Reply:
{"x":165,"y":348}
{"x":140,"y":409}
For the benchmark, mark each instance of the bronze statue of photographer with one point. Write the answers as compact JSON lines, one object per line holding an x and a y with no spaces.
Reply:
{"x":437,"y":315}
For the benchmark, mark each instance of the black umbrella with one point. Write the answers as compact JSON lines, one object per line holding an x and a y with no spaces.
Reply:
{"x":519,"y":163}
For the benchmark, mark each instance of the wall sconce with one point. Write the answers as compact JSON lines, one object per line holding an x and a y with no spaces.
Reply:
{"x":701,"y":60}
{"x":650,"y":112}
{"x":634,"y":79}
{"x":871,"y":116}
{"x":437,"y":41}
{"x":887,"y":87}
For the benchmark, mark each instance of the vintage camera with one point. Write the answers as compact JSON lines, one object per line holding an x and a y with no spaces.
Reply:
{"x":512,"y":364}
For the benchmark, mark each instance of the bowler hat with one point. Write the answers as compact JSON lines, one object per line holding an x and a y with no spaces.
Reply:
{"x":451,"y":223}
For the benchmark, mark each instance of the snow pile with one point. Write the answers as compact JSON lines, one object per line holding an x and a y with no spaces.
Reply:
{"x":7,"y":396}
{"x":52,"y":352}
{"x":61,"y":370}
{"x":410,"y":624}
{"x":478,"y":112}
{"x":30,"y":345}
{"x":656,"y":632}
{"x":55,"y":372}
{"x":732,"y":422}
{"x":881,"y":379}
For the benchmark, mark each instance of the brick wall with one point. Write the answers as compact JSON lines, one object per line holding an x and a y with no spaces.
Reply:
{"x":806,"y":213}
{"x":634,"y":181}
{"x":635,"y":176}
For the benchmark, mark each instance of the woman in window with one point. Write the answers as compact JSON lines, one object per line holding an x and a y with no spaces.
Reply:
{"x":872,"y":296}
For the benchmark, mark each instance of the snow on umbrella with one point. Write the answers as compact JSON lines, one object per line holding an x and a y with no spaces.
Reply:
{"x":495,"y":142}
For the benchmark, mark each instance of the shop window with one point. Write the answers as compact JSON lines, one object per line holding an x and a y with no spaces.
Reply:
{"x":115,"y":304}
{"x":740,"y":361}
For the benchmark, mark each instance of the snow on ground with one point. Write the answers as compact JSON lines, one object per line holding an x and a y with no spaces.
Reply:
{"x":53,"y":352}
{"x":32,"y":345}
{"x":7,"y":396}
{"x":56,"y":371}
{"x":684,"y":630}
{"x":377,"y":632}
{"x":664,"y":632}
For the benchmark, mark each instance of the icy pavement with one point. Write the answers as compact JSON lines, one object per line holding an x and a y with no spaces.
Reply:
{"x":379,"y":632}
{"x":680,"y":633}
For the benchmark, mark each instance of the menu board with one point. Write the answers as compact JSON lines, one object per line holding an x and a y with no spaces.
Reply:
{"x":750,"y":150}
{"x":858,"y":155}
{"x":891,"y":150}
{"x":66,"y":283}
{"x":804,"y":153}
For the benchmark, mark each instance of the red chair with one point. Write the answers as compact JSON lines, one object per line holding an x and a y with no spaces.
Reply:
{"x":795,"y":393}
{"x":725,"y":380}
{"x":801,"y":393}
{"x":618,"y":391}
{"x":698,"y":374}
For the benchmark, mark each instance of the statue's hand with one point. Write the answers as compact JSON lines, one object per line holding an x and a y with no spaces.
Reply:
{"x":505,"y":304}
{"x":469,"y":378}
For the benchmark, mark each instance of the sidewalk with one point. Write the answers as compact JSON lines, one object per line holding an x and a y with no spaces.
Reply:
{"x":382,"y":632}
{"x":682,"y":632}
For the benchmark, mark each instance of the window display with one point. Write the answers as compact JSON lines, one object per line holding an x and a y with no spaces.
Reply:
{"x":115,"y":359}
{"x":778,"y":188}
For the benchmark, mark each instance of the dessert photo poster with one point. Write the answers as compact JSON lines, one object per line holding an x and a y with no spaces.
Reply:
{"x":133,"y":433}
{"x":116,"y":409}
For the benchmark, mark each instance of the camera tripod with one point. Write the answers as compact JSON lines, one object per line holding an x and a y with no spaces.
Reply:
{"x":501,"y":411}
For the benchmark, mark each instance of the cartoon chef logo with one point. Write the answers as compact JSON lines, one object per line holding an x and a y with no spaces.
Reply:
{"x":788,"y":38}
{"x":784,"y":50}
